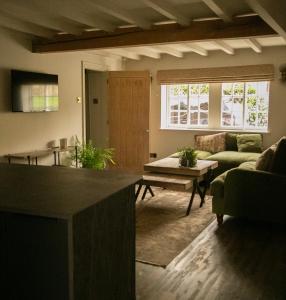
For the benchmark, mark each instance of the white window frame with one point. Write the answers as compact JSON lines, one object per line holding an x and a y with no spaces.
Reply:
{"x":214,"y":113}
{"x":244,"y":126}
{"x":166,"y":111}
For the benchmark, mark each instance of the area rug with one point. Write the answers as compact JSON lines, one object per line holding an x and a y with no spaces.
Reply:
{"x":163,"y":230}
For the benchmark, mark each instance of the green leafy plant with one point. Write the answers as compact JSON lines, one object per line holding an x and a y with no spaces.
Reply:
{"x":187,"y":157}
{"x":93,"y":157}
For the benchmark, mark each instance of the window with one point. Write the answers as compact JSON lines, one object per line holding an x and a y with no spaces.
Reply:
{"x":187,"y":105}
{"x":241,"y":106}
{"x":245,"y":105}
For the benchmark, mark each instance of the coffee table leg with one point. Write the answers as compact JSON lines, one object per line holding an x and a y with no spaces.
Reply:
{"x":138,"y":191}
{"x":195,"y":184}
{"x":203,"y":192}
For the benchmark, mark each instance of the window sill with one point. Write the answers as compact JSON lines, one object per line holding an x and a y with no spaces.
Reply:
{"x":216,"y":130}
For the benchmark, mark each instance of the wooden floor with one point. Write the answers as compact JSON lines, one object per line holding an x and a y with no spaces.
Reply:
{"x":240,"y":260}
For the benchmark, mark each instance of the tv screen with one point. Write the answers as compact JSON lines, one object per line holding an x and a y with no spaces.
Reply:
{"x":34,"y":92}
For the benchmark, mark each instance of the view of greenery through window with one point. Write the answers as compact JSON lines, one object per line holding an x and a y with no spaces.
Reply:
{"x":245,"y":105}
{"x":188,"y":104}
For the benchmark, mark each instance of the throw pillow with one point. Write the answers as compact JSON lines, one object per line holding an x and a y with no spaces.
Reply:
{"x":279,"y":161}
{"x":212,"y":143}
{"x":249,"y":142}
{"x":230,"y":142}
{"x":265,"y":160}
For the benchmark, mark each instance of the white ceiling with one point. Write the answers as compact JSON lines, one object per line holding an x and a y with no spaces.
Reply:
{"x":51,"y":18}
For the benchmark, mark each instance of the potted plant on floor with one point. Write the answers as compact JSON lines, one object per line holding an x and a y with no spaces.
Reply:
{"x":187,"y":157}
{"x":92,"y":157}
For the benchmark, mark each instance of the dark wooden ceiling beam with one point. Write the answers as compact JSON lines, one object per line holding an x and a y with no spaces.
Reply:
{"x":172,"y":33}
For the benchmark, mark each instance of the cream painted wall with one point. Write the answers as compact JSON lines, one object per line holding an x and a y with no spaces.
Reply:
{"x":29,"y":131}
{"x":165,"y":142}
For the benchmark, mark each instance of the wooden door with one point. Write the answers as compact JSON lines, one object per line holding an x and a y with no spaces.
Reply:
{"x":128,"y":109}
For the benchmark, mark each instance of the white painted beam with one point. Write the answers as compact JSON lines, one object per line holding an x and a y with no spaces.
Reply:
{"x":197,"y":49}
{"x":272,"y":12}
{"x":71,"y":10}
{"x":38,"y":18}
{"x":224,"y":47}
{"x":168,"y":11}
{"x":119,"y":13}
{"x":146,"y":51}
{"x":254,"y":45}
{"x":123,"y":53}
{"x":25,"y":27}
{"x":218,"y":9}
{"x":169,"y":50}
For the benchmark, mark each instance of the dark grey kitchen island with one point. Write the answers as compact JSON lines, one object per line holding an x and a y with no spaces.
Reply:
{"x":66,"y":233}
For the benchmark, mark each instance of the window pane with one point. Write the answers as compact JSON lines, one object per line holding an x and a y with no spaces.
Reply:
{"x":262,"y":120}
{"x":238,"y":89}
{"x":174,"y":118}
{"x":251,"y":103}
{"x":204,"y":89}
{"x":174,"y":104}
{"x":183,"y":117}
{"x":226,"y":119}
{"x":204,"y":103}
{"x":237,"y":119}
{"x":178,"y":90}
{"x":251,"y":88}
{"x":227,"y":89}
{"x":227,"y":104}
{"x":194,"y":89}
{"x":251,"y":119}
{"x":194,"y":103}
{"x":203,"y":118}
{"x":184,"y":104}
{"x":194,"y":118}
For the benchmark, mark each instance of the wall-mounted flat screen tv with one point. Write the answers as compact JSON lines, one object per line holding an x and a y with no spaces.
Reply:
{"x":34,"y":92}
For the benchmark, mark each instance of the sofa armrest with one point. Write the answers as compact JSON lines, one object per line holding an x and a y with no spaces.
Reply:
{"x":255,"y":193}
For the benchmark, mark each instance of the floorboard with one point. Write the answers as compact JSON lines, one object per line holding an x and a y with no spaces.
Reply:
{"x":243,"y":259}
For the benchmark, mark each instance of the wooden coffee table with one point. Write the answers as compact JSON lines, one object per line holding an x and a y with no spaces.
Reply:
{"x":170,"y":165}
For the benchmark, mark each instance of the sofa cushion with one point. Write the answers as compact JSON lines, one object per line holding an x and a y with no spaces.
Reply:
{"x":233,"y":157}
{"x":230,"y":142}
{"x":210,"y":143}
{"x":248,"y":165}
{"x":200,"y":154}
{"x":279,"y":161}
{"x":203,"y":154}
{"x":249,"y":142}
{"x":265,"y":160}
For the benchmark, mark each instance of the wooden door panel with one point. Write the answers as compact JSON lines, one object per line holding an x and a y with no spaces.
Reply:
{"x":129,"y":96}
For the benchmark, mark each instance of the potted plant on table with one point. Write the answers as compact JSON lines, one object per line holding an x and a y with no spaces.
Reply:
{"x":92,"y":157}
{"x":187,"y":157}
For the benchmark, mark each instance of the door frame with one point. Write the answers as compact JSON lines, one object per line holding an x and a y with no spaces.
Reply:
{"x":86,"y":65}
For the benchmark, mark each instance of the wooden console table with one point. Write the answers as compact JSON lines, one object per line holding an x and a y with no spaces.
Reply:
{"x":34,"y":155}
{"x":29,"y":155}
{"x":66,"y":233}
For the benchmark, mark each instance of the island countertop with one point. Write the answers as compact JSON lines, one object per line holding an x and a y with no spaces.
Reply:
{"x":59,"y":192}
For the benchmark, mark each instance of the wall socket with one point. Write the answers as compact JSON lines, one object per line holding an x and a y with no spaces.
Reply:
{"x":153,"y":155}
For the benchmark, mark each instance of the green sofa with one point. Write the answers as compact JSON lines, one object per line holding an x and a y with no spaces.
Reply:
{"x":245,"y":191}
{"x":230,"y":158}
